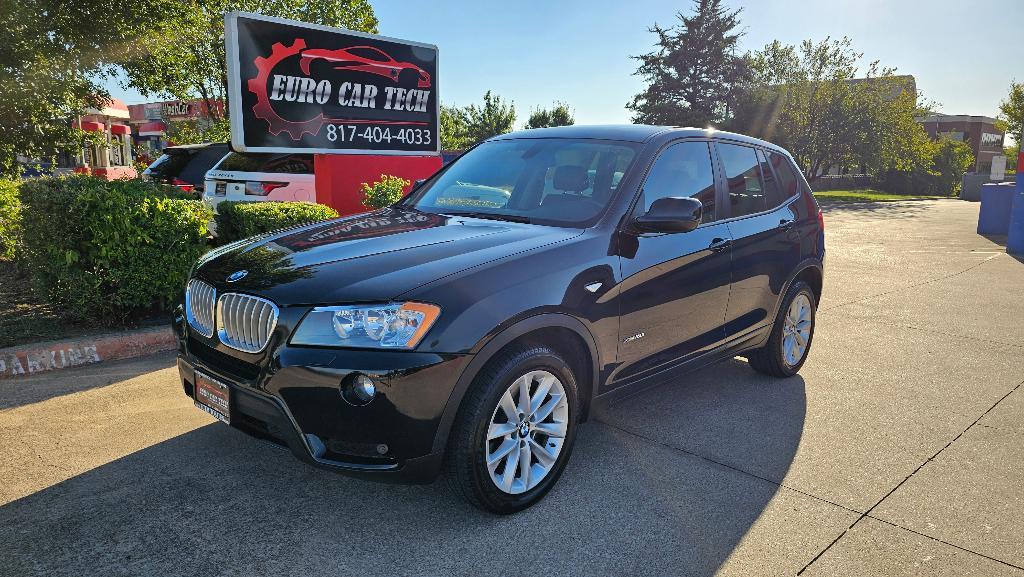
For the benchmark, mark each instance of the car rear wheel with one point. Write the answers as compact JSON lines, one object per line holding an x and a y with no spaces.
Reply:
{"x":514,"y":432}
{"x":792,"y":333}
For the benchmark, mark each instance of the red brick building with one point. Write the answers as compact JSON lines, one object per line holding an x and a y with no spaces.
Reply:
{"x":977,"y":131}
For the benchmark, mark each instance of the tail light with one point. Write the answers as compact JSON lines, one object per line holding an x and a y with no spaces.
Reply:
{"x":183,"y":185}
{"x":262,"y":188}
{"x":821,"y":221}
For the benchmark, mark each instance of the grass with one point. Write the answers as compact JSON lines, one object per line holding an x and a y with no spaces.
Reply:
{"x":25,"y":318}
{"x":867,"y":195}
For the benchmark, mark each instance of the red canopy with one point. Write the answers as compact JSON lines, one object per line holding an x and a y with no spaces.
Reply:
{"x":90,"y":126}
{"x":120,"y":129}
{"x":155,"y":128}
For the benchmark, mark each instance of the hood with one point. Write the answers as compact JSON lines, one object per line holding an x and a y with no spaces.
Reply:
{"x":370,"y":257}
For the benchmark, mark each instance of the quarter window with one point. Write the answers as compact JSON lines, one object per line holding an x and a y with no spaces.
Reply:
{"x":683,"y":170}
{"x":772,"y":191}
{"x":785,"y":173}
{"x":746,"y":190}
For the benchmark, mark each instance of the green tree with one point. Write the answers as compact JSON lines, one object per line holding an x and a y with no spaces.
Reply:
{"x":185,"y":59}
{"x":559,"y":115}
{"x":453,"y":123}
{"x":1011,"y":153}
{"x":494,"y":117}
{"x":952,"y":160}
{"x":198,"y":130}
{"x":809,"y":99}
{"x":694,"y":76}
{"x":1011,"y":112}
{"x":53,"y":57}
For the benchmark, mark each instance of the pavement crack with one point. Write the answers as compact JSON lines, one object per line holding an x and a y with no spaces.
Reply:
{"x":945,"y":334}
{"x":954,"y":545}
{"x":907,"y":478}
{"x":915,"y":285}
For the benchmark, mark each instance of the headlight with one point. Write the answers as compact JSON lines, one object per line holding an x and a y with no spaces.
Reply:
{"x":393,"y":325}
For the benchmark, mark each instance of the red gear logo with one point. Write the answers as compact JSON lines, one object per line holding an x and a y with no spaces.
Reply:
{"x":263,"y":108}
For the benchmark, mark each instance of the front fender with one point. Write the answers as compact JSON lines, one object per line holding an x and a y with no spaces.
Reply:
{"x":497,"y":340}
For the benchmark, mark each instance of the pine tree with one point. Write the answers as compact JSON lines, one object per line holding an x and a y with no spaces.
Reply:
{"x":694,"y":76}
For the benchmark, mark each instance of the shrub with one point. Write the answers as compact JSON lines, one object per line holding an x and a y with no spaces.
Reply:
{"x":10,"y":219}
{"x":385,"y":192}
{"x":941,"y":173}
{"x":951,"y":161}
{"x":237,"y":220}
{"x":105,"y":250}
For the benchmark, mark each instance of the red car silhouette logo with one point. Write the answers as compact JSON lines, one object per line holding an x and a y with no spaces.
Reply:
{"x":364,"y":59}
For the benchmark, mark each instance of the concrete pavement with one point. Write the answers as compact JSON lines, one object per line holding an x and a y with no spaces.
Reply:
{"x":896,"y":451}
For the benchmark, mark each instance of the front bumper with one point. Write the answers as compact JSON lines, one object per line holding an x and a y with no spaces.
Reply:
{"x":293,"y":399}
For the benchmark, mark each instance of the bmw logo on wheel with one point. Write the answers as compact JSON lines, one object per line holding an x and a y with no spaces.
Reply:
{"x":237,"y":275}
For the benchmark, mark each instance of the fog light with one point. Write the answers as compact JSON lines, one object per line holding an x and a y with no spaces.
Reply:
{"x":358,"y":389}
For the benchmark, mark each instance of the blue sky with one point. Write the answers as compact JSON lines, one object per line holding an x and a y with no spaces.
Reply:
{"x":534,"y":52}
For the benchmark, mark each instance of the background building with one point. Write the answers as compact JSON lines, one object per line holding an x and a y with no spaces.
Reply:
{"x":111,"y":157}
{"x":150,"y":120}
{"x":977,"y":131}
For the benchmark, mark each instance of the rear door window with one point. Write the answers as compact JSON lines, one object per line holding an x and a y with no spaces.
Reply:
{"x":746,"y":190}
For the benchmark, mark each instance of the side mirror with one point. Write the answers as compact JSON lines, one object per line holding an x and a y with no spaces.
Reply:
{"x":670,"y":214}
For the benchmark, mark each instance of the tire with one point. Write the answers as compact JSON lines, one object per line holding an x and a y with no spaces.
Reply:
{"x":466,"y":462}
{"x":772,"y":359}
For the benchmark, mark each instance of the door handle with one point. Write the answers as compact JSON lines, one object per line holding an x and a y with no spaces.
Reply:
{"x":786,"y":224}
{"x":720,"y":244}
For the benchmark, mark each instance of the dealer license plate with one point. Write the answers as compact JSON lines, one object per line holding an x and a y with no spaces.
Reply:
{"x":213,"y":396}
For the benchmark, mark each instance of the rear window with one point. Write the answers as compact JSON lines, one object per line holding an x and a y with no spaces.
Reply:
{"x":264,"y":162}
{"x":195,"y":171}
{"x":168,"y":166}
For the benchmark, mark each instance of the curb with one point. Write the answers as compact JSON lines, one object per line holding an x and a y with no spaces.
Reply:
{"x":21,"y":361}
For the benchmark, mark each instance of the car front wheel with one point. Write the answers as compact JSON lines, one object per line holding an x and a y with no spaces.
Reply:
{"x":515,"y":430}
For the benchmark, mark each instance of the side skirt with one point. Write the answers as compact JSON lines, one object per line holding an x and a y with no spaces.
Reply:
{"x":737,"y":345}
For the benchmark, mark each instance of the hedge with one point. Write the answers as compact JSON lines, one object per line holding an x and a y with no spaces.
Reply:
{"x":105,"y":250}
{"x":238,"y":220}
{"x":10,"y":219}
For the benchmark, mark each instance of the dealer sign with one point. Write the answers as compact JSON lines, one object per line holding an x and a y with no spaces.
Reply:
{"x":297,"y":87}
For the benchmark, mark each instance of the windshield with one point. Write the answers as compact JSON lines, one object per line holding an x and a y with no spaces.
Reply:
{"x":555,"y":181}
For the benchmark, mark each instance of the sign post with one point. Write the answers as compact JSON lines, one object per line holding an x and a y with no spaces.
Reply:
{"x":298,"y":87}
{"x":1015,"y":238}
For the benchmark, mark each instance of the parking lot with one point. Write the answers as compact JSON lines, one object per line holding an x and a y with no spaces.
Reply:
{"x":898,"y":450}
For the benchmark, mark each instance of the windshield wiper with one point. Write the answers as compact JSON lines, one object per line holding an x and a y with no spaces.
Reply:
{"x":492,"y":216}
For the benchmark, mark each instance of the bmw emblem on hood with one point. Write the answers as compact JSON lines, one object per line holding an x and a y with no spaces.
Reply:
{"x":237,"y":275}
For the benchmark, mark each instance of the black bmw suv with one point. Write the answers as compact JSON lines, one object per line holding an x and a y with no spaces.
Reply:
{"x":471,"y":327}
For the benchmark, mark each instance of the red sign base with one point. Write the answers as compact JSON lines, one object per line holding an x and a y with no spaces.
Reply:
{"x":339,"y":176}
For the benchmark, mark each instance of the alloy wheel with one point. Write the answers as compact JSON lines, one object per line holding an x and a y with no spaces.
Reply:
{"x":526,"y":432}
{"x":796,"y":330}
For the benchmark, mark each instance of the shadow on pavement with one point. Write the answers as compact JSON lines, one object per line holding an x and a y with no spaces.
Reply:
{"x":18,"y":391}
{"x":1001,"y":240}
{"x":214,"y":501}
{"x":876,"y":210}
